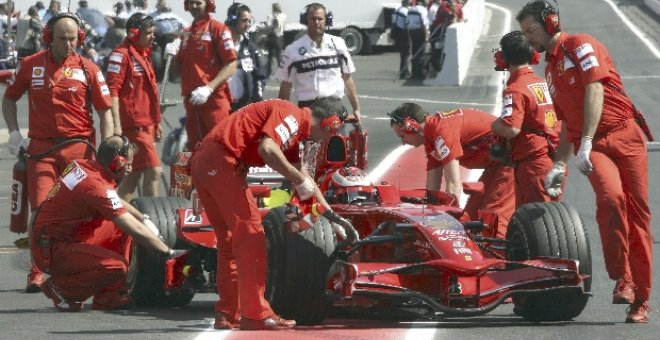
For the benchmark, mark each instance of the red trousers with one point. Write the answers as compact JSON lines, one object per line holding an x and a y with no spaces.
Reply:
{"x":530,"y":180}
{"x":44,"y":172}
{"x":620,"y":182}
{"x":231,"y":207}
{"x":95,"y":267}
{"x":498,"y":196}
{"x":201,"y":119}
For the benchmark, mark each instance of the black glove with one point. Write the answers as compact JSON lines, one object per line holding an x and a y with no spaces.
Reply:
{"x":352,"y":234}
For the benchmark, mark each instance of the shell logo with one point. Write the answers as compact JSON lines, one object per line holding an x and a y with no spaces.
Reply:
{"x":550,"y":119}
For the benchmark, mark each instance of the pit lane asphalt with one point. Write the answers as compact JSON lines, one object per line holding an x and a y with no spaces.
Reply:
{"x":31,"y":316}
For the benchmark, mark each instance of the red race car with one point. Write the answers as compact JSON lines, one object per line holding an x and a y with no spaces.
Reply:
{"x":382,"y":247}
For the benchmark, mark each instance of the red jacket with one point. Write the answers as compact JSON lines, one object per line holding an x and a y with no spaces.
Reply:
{"x":131,"y":78}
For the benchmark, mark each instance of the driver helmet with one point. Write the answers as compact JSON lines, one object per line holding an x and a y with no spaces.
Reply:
{"x":350,"y":184}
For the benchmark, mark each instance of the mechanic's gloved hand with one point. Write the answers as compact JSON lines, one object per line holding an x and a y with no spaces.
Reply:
{"x":17,"y":142}
{"x":554,"y":179}
{"x":582,"y":157}
{"x":200,"y":95}
{"x":173,"y":47}
{"x":174,"y":253}
{"x":349,"y":232}
{"x":306,"y":189}
{"x":339,"y":230}
{"x":150,"y":225}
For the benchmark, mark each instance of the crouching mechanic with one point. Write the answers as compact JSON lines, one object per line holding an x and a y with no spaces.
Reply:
{"x":528,"y":121}
{"x":81,"y":232}
{"x":460,"y":137}
{"x":263,"y":133}
{"x":135,"y":103}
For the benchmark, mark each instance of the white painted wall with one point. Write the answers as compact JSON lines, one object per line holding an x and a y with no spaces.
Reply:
{"x":460,"y":42}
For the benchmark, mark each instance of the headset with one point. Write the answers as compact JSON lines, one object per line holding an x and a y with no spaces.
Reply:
{"x":48,"y":30}
{"x":120,"y":159}
{"x":502,"y":65}
{"x":133,"y":25}
{"x":210,"y":6}
{"x":549,"y":17}
{"x":407,"y":125}
{"x":328,"y":15}
{"x":232,"y":13}
{"x":333,"y":122}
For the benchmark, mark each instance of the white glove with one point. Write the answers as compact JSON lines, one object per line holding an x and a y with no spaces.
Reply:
{"x":306,"y":189}
{"x":582,"y":157}
{"x":339,"y":230}
{"x":554,"y":179}
{"x":17,"y":142}
{"x":173,"y":47}
{"x":200,"y":95}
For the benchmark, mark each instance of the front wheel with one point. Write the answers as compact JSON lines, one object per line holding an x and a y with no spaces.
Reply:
{"x":298,"y":265}
{"x":550,"y":229}
{"x":146,"y":271}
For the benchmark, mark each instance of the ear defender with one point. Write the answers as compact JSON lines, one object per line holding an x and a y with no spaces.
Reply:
{"x":551,"y":23}
{"x":407,"y":125}
{"x":500,"y":62}
{"x":48,"y":30}
{"x":133,"y":35}
{"x":328,"y":16}
{"x":120,"y":161}
{"x":536,"y":57}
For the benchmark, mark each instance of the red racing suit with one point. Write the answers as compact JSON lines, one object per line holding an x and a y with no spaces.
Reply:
{"x":219,"y":169}
{"x":75,"y":241}
{"x":60,"y":98}
{"x":206,"y":47}
{"x":131,"y":78}
{"x":620,"y":177}
{"x":527,"y":105}
{"x":465,"y":135}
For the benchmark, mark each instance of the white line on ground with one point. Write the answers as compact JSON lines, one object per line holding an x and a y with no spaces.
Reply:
{"x":636,"y":31}
{"x":211,"y":333}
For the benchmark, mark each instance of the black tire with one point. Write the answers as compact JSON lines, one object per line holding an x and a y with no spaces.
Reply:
{"x":551,"y":229}
{"x":298,"y":266}
{"x":354,"y":40}
{"x":146,"y":273}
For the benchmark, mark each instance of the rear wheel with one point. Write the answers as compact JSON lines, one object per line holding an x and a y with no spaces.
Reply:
{"x":298,"y":265}
{"x":551,"y":229}
{"x":146,"y":272}
{"x":353,"y":38}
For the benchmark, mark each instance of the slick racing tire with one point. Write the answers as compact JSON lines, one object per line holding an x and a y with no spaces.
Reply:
{"x":550,"y":229}
{"x":146,"y":272}
{"x":298,"y":265}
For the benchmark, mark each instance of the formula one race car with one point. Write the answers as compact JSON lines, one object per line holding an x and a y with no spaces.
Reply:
{"x":396,"y":251}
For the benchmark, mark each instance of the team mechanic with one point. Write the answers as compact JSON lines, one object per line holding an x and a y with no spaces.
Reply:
{"x":61,"y":87}
{"x":81,"y":232}
{"x":451,"y":139}
{"x":318,"y":64}
{"x":264,"y":133}
{"x":528,"y":121}
{"x":135,"y":103}
{"x":599,"y":119}
{"x":246,"y":84}
{"x":206,"y":60}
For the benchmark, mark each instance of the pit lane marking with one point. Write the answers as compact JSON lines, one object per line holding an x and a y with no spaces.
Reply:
{"x":10,"y":250}
{"x":212,"y":333}
{"x":636,"y":31}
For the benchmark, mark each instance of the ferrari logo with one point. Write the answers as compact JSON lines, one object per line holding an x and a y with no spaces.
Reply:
{"x":550,"y":119}
{"x":541,"y":93}
{"x":68,"y":72}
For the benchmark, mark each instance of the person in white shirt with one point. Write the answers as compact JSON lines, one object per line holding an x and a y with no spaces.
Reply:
{"x":275,"y":24}
{"x":401,"y":37}
{"x":318,"y":64}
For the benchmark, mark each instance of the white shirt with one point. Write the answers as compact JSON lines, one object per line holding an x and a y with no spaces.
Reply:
{"x":418,"y":17}
{"x":236,"y":86}
{"x":400,"y":17}
{"x":316,"y":72}
{"x":432,"y":11}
